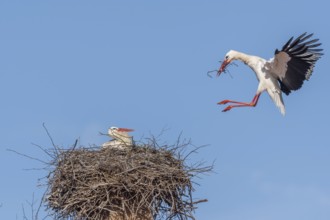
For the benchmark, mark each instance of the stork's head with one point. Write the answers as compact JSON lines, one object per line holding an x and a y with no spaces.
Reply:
{"x":119,"y":133}
{"x":230,"y":56}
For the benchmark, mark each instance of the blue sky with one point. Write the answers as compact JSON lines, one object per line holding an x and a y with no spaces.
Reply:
{"x":83,"y":66}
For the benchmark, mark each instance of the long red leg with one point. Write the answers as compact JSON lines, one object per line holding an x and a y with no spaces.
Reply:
{"x":253,"y":103}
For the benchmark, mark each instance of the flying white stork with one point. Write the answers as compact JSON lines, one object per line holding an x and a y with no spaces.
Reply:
{"x":121,"y":138}
{"x":285,"y":72}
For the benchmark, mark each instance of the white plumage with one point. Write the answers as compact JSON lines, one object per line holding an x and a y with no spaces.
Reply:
{"x":121,"y":138}
{"x":285,"y":72}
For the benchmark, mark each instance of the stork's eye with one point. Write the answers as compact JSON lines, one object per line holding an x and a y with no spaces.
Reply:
{"x":227,"y":57}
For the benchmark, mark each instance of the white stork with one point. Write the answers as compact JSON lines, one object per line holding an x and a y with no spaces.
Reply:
{"x":121,"y":138}
{"x":285,"y":72}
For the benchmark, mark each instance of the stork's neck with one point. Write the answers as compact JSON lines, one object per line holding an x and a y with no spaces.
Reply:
{"x":124,"y":139}
{"x":245,"y":58}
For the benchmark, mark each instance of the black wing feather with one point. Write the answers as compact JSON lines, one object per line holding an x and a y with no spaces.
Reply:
{"x":301,"y":63}
{"x":307,"y":37}
{"x":296,"y":41}
{"x":285,"y":46}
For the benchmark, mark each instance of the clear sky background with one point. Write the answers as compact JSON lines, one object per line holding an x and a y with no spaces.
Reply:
{"x":83,"y":66}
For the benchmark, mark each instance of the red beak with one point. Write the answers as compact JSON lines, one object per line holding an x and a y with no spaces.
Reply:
{"x":223,"y":67}
{"x":125,"y":129}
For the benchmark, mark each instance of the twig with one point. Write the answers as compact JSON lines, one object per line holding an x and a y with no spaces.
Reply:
{"x":27,"y":156}
{"x":224,"y":71}
{"x":51,"y":139}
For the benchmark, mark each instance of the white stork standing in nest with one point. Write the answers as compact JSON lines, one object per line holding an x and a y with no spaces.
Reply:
{"x":121,"y":138}
{"x":285,"y":72}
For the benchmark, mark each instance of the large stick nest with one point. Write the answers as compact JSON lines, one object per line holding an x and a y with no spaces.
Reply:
{"x":146,"y":181}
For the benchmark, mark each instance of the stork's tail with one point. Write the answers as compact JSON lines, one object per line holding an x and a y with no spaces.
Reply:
{"x":276,"y":96}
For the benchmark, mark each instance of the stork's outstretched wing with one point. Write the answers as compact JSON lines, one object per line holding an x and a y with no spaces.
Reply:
{"x":295,"y":62}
